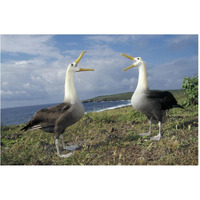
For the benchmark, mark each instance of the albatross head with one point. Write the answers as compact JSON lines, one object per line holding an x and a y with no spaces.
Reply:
{"x":142,"y":80}
{"x":70,"y":91}
{"x":73,"y":67}
{"x":137,"y":61}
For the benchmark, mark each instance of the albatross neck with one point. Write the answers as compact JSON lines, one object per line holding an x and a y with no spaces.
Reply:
{"x":70,"y":91}
{"x":142,"y":80}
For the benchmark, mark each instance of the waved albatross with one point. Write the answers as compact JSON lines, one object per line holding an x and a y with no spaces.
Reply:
{"x":57,"y":118}
{"x":151,"y":103}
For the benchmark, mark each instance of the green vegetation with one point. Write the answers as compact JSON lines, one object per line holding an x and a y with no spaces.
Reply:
{"x":190,"y":86}
{"x":109,"y":138}
{"x":112,"y":97}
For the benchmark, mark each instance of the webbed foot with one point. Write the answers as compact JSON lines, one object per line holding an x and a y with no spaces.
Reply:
{"x":71,"y":148}
{"x":157,"y":137}
{"x":144,"y":134}
{"x":65,"y":155}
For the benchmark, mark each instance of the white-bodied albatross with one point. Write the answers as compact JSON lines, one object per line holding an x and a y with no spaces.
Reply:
{"x":151,"y":103}
{"x":57,"y":118}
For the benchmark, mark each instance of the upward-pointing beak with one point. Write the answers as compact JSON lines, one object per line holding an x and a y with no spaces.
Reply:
{"x":79,"y":58}
{"x":129,"y":57}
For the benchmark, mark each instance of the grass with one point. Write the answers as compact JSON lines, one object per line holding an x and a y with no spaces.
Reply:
{"x":109,"y":138}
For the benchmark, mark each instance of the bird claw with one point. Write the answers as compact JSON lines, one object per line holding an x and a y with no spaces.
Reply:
{"x":157,"y":137}
{"x":144,"y":134}
{"x":66,"y":155}
{"x":71,"y":148}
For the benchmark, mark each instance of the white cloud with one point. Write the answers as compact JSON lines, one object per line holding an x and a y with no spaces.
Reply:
{"x":38,"y":78}
{"x":29,"y":44}
{"x":110,"y":38}
{"x":8,"y":92}
{"x":169,"y":75}
{"x":180,"y":38}
{"x":181,"y":41}
{"x":5,"y":83}
{"x":23,"y":62}
{"x":27,"y":85}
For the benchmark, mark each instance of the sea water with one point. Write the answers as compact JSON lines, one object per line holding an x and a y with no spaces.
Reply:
{"x":20,"y":115}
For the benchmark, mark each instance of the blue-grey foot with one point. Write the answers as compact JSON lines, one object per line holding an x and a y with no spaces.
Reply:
{"x":58,"y":151}
{"x":144,"y":134}
{"x":71,"y":148}
{"x":149,"y":132}
{"x":157,"y":137}
{"x":65,"y":155}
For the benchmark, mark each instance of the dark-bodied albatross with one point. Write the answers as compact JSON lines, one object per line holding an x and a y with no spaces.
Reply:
{"x":57,"y":118}
{"x":151,"y":103}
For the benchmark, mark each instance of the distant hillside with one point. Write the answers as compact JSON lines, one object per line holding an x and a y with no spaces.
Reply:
{"x":122,"y":96}
{"x":112,"y":97}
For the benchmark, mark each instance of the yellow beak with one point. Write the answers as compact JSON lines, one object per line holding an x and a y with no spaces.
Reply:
{"x":128,"y":67}
{"x":79,"y":58}
{"x":129,"y":57}
{"x":82,"y":69}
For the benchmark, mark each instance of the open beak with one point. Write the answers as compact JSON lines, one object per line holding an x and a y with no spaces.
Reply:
{"x":78,"y":60}
{"x":82,"y":69}
{"x":128,"y":67}
{"x":129,"y":57}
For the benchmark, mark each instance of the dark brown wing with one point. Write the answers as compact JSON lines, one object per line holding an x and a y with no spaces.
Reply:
{"x":47,"y":117}
{"x":165,"y":98}
{"x":66,"y":119}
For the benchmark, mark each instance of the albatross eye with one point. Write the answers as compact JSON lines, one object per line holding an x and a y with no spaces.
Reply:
{"x":138,"y":58}
{"x":72,"y":65}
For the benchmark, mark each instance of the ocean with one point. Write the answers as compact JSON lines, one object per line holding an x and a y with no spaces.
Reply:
{"x":20,"y":115}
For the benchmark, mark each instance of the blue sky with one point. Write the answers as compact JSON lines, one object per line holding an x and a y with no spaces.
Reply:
{"x":33,"y":66}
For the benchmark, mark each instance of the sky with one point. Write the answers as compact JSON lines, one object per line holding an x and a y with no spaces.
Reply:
{"x":33,"y":66}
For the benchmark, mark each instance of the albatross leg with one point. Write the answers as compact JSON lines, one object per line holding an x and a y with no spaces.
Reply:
{"x":69,"y":148}
{"x":157,"y":137}
{"x":63,"y":143}
{"x":58,"y":151}
{"x":149,"y":132}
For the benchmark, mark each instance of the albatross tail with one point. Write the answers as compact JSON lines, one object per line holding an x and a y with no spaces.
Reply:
{"x":27,"y":127}
{"x":178,"y":106}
